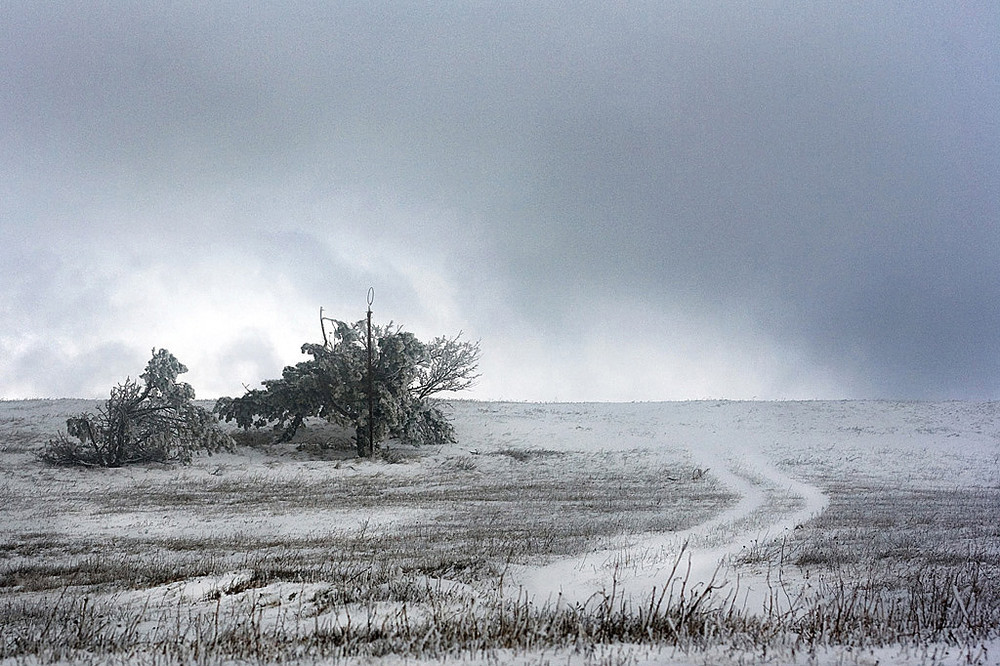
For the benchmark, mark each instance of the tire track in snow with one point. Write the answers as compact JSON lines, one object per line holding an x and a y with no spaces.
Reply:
{"x":761,"y":515}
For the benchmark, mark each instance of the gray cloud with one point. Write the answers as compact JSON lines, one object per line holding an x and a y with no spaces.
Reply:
{"x":40,"y":369}
{"x":775,"y":200}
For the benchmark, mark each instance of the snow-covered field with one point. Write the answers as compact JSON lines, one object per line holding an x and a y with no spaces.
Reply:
{"x":684,"y":533}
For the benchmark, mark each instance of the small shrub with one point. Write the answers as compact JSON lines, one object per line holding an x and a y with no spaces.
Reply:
{"x":254,"y":439}
{"x":155,"y":421}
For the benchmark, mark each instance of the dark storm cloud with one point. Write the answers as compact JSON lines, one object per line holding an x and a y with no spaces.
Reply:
{"x":784,"y":196}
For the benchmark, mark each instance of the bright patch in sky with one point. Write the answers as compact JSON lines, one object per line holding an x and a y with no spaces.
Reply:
{"x":643,"y":201}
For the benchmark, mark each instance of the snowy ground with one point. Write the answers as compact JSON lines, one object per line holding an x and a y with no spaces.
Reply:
{"x":558,"y":505}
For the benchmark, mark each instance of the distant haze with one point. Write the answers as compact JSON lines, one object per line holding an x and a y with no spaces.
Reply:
{"x":623,"y":201}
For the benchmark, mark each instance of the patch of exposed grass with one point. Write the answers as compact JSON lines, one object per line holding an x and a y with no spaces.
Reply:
{"x":886,"y":565}
{"x":526,"y":455}
{"x":471,"y":522}
{"x":101,"y":571}
{"x":865,"y":524}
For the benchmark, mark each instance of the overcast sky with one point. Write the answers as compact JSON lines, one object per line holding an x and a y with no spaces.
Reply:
{"x":622,"y":200}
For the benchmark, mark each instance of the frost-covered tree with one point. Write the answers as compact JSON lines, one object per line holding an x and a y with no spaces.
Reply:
{"x":334,"y":384}
{"x":154,"y":420}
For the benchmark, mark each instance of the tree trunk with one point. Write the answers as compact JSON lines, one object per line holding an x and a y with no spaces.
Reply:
{"x":361,"y":437}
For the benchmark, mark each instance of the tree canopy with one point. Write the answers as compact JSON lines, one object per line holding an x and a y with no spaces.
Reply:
{"x":334,"y":384}
{"x":154,"y":420}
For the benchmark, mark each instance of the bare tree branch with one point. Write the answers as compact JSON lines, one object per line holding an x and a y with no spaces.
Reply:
{"x":452,"y":365}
